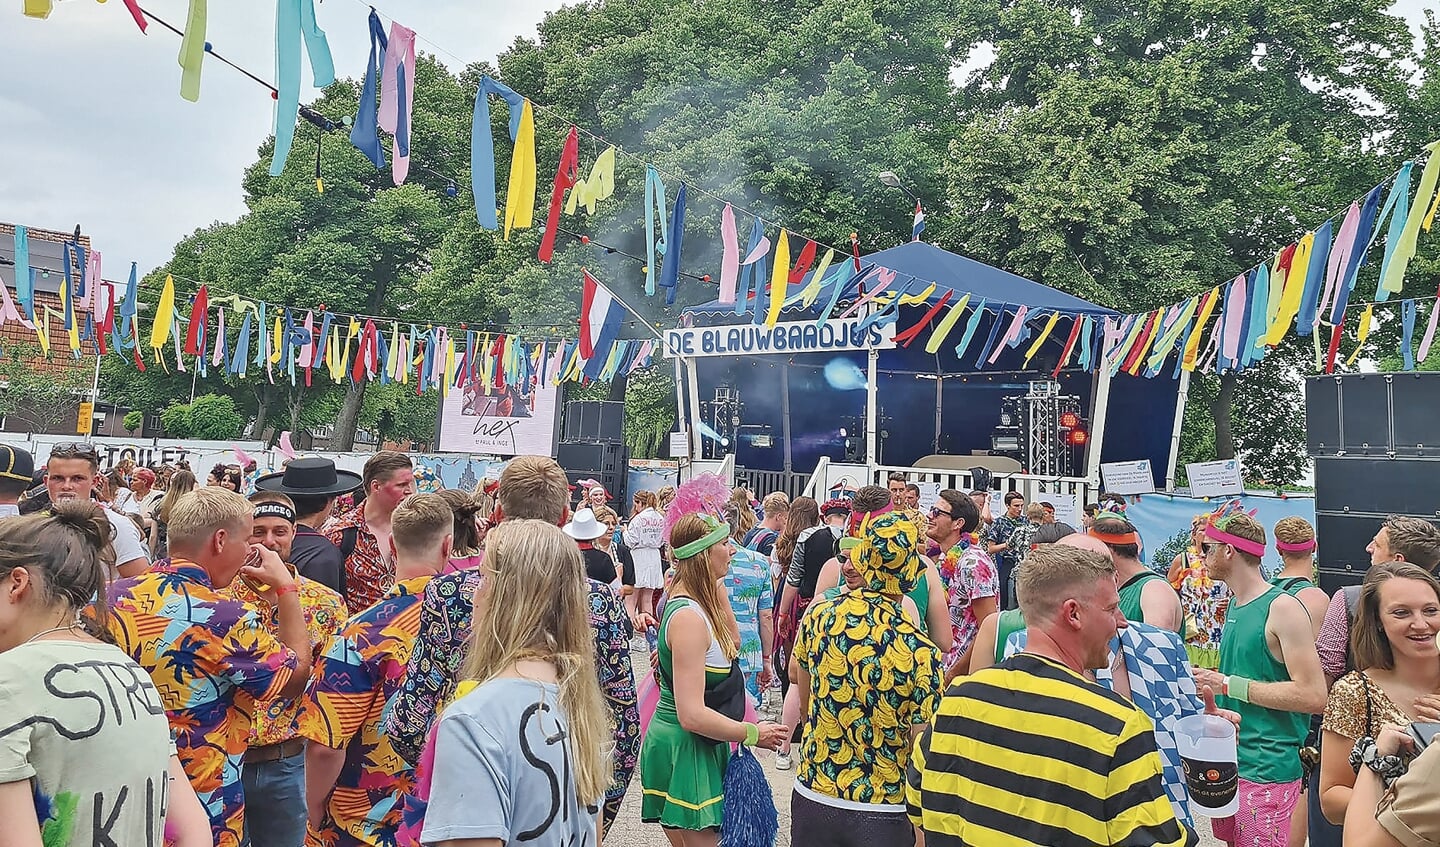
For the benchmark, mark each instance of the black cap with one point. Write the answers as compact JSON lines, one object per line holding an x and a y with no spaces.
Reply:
{"x":16,"y":464}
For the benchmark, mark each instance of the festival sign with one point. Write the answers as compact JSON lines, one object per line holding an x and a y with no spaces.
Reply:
{"x":790,"y":337}
{"x":1215,"y":479}
{"x":1128,"y":477}
{"x":520,"y":420}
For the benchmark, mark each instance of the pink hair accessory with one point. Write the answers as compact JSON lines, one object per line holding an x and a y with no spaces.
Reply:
{"x":1295,"y":547}
{"x":1244,"y":545}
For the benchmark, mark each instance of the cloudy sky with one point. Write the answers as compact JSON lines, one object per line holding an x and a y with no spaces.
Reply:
{"x":95,"y":131}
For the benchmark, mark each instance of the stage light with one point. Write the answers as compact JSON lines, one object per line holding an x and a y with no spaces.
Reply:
{"x":1005,"y":443}
{"x":763,"y":442}
{"x":1005,"y":419}
{"x":843,"y":434}
{"x":724,"y":442}
{"x":1077,"y":437}
{"x":1069,"y":420}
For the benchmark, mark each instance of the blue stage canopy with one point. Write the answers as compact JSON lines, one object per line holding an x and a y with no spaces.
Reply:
{"x":918,"y":264}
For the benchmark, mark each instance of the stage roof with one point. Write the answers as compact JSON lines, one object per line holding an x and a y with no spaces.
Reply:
{"x":919,"y":264}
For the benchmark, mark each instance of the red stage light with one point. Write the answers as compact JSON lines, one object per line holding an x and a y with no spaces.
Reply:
{"x":1069,"y":420}
{"x":1077,"y":437}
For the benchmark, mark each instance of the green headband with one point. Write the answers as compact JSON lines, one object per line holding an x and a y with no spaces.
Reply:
{"x":719,"y":531}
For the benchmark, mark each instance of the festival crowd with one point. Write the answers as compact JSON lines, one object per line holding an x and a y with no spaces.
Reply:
{"x":322,"y":658}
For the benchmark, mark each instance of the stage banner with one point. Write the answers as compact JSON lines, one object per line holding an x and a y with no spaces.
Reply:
{"x":789,"y":337}
{"x":1163,"y":521}
{"x":519,"y":421}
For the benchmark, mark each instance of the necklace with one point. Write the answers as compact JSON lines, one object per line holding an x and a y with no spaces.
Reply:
{"x":42,"y":632}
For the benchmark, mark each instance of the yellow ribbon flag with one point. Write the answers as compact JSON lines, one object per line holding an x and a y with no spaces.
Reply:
{"x":1405,"y":248}
{"x":917,"y":299}
{"x":1160,"y":350}
{"x":599,"y":185}
{"x":1192,"y":344}
{"x":1294,"y":290}
{"x":164,"y":315}
{"x":807,"y":297}
{"x":947,"y":323}
{"x":520,"y":196}
{"x":42,"y":328}
{"x":449,"y":368}
{"x":1044,"y":334}
{"x":277,"y":341}
{"x":1278,"y":276}
{"x":778,"y":278}
{"x":1361,"y":334}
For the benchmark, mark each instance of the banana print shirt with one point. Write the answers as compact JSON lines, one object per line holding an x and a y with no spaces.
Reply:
{"x":873,"y":676}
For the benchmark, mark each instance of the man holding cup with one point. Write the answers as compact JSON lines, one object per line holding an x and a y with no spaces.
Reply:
{"x":1270,"y":674}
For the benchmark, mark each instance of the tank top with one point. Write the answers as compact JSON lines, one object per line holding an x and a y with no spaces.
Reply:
{"x":1011,"y":621}
{"x":1269,"y":738}
{"x":920,"y":594}
{"x":1130,"y":594}
{"x":1293,"y":585}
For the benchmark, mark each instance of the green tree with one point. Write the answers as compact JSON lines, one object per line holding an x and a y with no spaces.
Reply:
{"x":210,"y":417}
{"x":134,"y":419}
{"x":44,"y":401}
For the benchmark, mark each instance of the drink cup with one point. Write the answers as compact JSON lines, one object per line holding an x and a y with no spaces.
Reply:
{"x":1206,"y":744}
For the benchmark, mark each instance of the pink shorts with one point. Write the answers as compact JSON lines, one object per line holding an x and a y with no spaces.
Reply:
{"x":1263,"y":819}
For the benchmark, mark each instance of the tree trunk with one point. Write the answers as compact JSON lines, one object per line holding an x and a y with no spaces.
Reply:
{"x":262,"y":412}
{"x":349,"y":419}
{"x":1220,"y":408}
{"x":297,"y":405}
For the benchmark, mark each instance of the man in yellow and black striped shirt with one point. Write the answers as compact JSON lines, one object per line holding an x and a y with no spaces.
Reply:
{"x":1031,"y":751}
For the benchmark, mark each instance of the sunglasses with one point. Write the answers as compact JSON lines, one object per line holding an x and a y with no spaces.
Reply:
{"x":1207,"y":546}
{"x":936,"y":511}
{"x":74,"y":450}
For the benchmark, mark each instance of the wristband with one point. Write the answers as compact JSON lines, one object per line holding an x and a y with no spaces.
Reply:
{"x":1238,"y":687}
{"x":752,"y":734}
{"x":292,"y":588}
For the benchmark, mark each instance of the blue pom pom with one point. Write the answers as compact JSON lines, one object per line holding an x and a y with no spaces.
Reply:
{"x":750,"y":816}
{"x":208,"y":48}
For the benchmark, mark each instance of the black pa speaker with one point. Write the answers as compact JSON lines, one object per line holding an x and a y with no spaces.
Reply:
{"x":589,"y":458}
{"x":1340,"y":552}
{"x":1388,"y":415}
{"x":594,"y":420}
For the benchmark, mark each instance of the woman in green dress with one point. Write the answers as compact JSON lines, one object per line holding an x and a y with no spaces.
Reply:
{"x":686,"y":748}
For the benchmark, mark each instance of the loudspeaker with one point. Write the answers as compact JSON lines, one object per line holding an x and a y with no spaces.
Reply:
{"x":1372,"y":415}
{"x":591,"y":458}
{"x":594,"y":420}
{"x":1342,"y":539}
{"x":1377,"y":486}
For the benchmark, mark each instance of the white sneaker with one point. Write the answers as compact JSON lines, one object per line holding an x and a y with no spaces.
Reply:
{"x":782,"y":762}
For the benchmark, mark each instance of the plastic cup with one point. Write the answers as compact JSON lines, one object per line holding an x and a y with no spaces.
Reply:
{"x":1206,"y":744}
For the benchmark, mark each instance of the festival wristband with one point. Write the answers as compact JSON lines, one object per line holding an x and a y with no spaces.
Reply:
{"x":1238,"y":687}
{"x":752,"y":734}
{"x":292,"y":588}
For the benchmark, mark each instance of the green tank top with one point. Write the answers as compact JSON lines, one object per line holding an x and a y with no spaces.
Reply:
{"x":1269,"y":738}
{"x":1293,"y":585}
{"x":1130,"y":595}
{"x":921,"y":595}
{"x":715,"y":668}
{"x":1011,"y":621}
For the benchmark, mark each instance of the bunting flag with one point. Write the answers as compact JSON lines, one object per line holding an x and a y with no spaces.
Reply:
{"x":566,"y":174}
{"x":1399,"y":259}
{"x":970,"y":327}
{"x":673,"y":246}
{"x":752,"y":267}
{"x":192,"y":54}
{"x":806,"y":297}
{"x":365,"y":133}
{"x":24,"y":276}
{"x":654,"y":210}
{"x":1407,"y":321}
{"x":520,"y":200}
{"x":482,"y":148}
{"x":1361,"y":333}
{"x":1040,"y":339}
{"x":1397,"y":207}
{"x":909,"y":335}
{"x":778,"y":279}
{"x":729,"y":256}
{"x":1069,"y":345}
{"x":164,"y":317}
{"x":294,"y":20}
{"x":598,"y":186}
{"x":397,"y":96}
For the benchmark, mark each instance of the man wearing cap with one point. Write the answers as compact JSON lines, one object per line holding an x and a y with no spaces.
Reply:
{"x":585,"y":529}
{"x":17,"y":467}
{"x":70,"y":475}
{"x":1269,"y":674}
{"x":313,"y":484}
{"x":274,"y":772}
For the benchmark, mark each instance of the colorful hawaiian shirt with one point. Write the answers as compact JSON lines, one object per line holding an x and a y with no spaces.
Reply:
{"x":343,"y":706}
{"x":439,"y":651}
{"x":751,"y":592}
{"x":274,"y":720}
{"x":969,"y":575}
{"x":1204,"y":601}
{"x":211,"y":659}
{"x":873,"y":676}
{"x":368,"y":573}
{"x":1000,"y":532}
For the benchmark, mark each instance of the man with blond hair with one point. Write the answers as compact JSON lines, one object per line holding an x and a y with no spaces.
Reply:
{"x":354,"y":782}
{"x":1269,"y":674}
{"x":762,"y":537}
{"x":210,"y":655}
{"x":1032,"y":751}
{"x":531,"y":487}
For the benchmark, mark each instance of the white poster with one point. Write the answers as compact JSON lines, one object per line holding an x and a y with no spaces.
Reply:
{"x":1067,"y":507}
{"x":929,"y":493}
{"x":520,"y":421}
{"x":1214,"y":479}
{"x":1127,"y":477}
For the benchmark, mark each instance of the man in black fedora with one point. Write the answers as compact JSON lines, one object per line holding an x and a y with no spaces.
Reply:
{"x":313,"y":484}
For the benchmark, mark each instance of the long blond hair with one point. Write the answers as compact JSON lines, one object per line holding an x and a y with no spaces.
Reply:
{"x":537,"y":607}
{"x":693,"y":578}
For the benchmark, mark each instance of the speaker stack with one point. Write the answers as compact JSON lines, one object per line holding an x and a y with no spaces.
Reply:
{"x":593,"y":446}
{"x":1376,"y":449}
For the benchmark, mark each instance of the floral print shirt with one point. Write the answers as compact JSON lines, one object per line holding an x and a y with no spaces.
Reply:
{"x":751,"y":592}
{"x":439,"y":651}
{"x":873,"y":676}
{"x":368,"y":572}
{"x":969,"y":575}
{"x":274,"y":720}
{"x":343,"y":707}
{"x":1203,"y":601}
{"x":211,"y":659}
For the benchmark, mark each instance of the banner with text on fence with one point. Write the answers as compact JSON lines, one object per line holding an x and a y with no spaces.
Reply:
{"x":790,"y":337}
{"x":519,"y":420}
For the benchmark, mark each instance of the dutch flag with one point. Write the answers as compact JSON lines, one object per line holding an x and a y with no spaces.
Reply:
{"x":600,"y":319}
{"x":919,"y":226}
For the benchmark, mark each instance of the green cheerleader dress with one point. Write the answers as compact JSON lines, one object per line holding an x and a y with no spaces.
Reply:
{"x":682,"y":774}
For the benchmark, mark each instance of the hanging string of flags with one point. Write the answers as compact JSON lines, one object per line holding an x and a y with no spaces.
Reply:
{"x":1306,"y":286}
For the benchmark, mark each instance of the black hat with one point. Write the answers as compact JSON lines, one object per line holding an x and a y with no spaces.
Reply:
{"x":310,"y":475}
{"x":16,"y":464}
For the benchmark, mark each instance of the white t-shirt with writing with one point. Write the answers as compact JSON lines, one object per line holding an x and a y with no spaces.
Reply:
{"x":86,"y":724}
